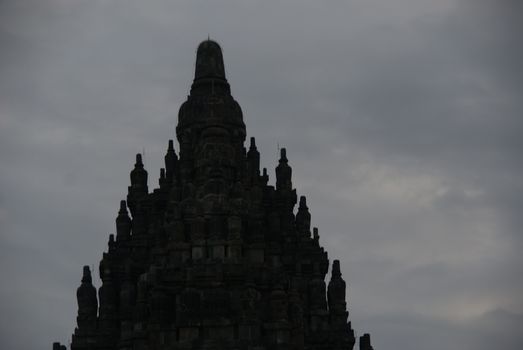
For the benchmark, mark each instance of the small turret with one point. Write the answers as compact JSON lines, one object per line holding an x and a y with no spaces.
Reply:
{"x":107,"y":296}
{"x":303,"y":218}
{"x":253,"y":157}
{"x":171,"y":160}
{"x":283,"y":173}
{"x":138,"y":189}
{"x":264,"y":177}
{"x":336,"y":270}
{"x":338,"y":313}
{"x":111,"y":245}
{"x":139,"y":176}
{"x":315,"y":235}
{"x":123,"y":223}
{"x":87,"y":303}
{"x":336,"y":290}
{"x":365,"y":342}
{"x":163,"y":180}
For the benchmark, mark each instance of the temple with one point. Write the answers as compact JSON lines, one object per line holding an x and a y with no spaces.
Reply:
{"x":215,"y":257}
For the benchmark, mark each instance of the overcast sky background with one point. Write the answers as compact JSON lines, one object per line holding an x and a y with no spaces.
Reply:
{"x":402,"y":121}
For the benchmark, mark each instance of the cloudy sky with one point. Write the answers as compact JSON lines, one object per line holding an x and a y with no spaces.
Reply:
{"x":402,"y":120}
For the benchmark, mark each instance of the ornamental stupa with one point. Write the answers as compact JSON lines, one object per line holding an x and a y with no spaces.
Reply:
{"x":215,"y":257}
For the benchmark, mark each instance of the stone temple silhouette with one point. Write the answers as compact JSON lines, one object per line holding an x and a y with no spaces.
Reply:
{"x":215,"y":258}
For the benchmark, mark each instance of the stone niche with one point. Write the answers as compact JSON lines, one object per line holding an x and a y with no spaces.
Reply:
{"x":198,"y":252}
{"x":218,"y":251}
{"x":188,"y":333}
{"x":219,"y":332}
{"x":256,"y":255}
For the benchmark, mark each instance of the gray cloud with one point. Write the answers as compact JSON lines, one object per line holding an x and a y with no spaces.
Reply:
{"x":402,"y":122}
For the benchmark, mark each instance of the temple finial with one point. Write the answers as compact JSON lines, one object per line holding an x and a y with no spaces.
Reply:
{"x":254,"y":160}
{"x":303,"y":218}
{"x":209,"y":61}
{"x":303,"y":202}
{"x":87,"y":303}
{"x":139,"y":161}
{"x":86,"y":276}
{"x":139,"y":174}
{"x":315,"y":234}
{"x":365,"y":342}
{"x":123,"y":208}
{"x":336,"y":271}
{"x":163,"y":180}
{"x":170,"y":162}
{"x":283,"y":155}
{"x":284,"y":173}
{"x":123,"y":222}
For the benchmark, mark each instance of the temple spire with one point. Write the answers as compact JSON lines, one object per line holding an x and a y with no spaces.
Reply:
{"x":315,"y":235}
{"x":209,"y":73}
{"x":216,"y":257}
